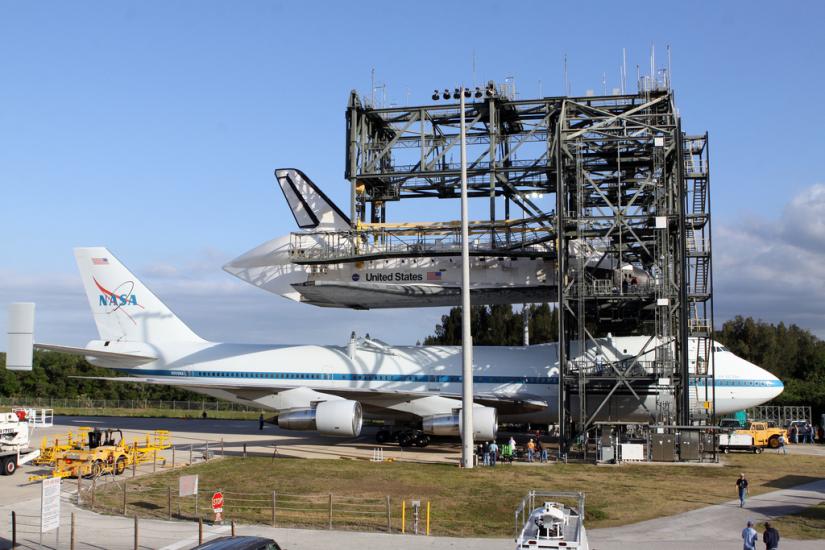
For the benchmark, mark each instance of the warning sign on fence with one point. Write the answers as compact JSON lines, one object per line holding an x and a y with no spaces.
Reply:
{"x":217,"y":505}
{"x":50,"y":504}
{"x":188,"y":486}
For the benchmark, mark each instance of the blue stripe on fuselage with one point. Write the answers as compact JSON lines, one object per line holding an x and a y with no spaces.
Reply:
{"x":420,"y":378}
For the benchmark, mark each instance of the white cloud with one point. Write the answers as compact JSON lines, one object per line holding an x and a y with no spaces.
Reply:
{"x":774,"y":269}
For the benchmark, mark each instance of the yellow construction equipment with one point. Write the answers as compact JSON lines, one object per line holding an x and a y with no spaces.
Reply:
{"x":49,"y":453}
{"x":104,"y":451}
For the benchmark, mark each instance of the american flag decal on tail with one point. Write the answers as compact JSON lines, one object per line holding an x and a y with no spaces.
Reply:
{"x":100,"y":261}
{"x":433,"y":275}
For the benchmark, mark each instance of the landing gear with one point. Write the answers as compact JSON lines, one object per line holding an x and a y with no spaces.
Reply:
{"x":417,"y":438}
{"x":405,"y":438}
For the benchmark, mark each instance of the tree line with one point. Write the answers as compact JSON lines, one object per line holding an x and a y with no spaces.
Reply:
{"x":53,"y":375}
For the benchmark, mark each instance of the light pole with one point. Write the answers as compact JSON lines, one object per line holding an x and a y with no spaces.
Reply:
{"x":467,"y":435}
{"x":466,"y":333}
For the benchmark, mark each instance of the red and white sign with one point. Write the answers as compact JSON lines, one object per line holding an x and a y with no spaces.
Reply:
{"x":217,"y":505}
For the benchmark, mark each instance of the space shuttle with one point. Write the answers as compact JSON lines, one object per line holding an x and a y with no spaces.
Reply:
{"x":326,"y":263}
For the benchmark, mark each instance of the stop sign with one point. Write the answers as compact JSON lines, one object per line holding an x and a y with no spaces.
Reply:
{"x":217,"y":502}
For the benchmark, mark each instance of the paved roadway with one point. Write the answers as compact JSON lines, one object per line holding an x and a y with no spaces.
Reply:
{"x":712,"y":527}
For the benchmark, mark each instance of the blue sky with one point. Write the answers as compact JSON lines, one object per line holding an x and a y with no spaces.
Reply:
{"x":153,"y":128}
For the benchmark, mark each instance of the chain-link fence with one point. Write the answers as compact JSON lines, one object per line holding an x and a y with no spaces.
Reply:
{"x":316,"y":511}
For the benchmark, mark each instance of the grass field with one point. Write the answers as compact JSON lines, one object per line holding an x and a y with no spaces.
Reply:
{"x":478,"y":502}
{"x":809,"y":524}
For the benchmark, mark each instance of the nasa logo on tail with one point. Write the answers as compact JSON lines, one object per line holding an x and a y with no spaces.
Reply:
{"x":116,"y":300}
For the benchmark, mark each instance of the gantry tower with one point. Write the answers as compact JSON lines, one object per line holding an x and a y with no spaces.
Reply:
{"x":609,"y":188}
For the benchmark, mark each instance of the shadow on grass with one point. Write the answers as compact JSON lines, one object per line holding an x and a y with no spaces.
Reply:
{"x":786,"y":482}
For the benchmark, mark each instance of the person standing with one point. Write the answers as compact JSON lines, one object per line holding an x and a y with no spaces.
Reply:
{"x":486,"y":452}
{"x":261,"y":422}
{"x":742,"y":486}
{"x":770,"y":537}
{"x":781,"y":442}
{"x":542,"y":452}
{"x":493,"y":450}
{"x":749,"y":537}
{"x":531,"y":450}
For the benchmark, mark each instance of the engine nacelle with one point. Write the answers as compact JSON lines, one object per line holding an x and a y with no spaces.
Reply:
{"x":340,"y":417}
{"x":485,"y":423}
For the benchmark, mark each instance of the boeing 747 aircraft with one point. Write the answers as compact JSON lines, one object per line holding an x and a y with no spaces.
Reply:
{"x":331,"y":388}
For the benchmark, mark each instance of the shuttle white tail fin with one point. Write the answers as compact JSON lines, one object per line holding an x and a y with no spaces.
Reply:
{"x":310,"y":206}
{"x":123,"y":308}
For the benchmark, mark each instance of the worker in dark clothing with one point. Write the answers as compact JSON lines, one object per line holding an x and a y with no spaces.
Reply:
{"x":770,"y":537}
{"x":261,"y":422}
{"x":742,"y":486}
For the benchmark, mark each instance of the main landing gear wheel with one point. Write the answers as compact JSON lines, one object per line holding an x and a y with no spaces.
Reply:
{"x":413,"y":437}
{"x":422,"y":440}
{"x":383,"y":436}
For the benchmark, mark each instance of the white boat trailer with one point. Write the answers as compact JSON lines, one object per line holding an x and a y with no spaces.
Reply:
{"x":554,"y":524}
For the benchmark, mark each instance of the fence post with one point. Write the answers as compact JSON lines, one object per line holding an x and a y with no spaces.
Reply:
{"x":94,"y":487}
{"x":233,"y":527}
{"x":13,"y":529}
{"x":124,"y":497}
{"x":173,"y":457}
{"x":137,"y":535}
{"x":222,"y":448}
{"x":330,"y":510}
{"x":403,"y":516}
{"x":197,"y":495}
{"x":134,"y":462}
{"x":72,"y":537}
{"x":244,"y":450}
{"x":389,"y":521}
{"x":190,"y":454}
{"x":154,"y":461}
{"x":428,"y":518}
{"x":206,"y":455}
{"x":200,"y":530}
{"x":79,"y":479}
{"x":274,"y":503}
{"x":169,"y":501}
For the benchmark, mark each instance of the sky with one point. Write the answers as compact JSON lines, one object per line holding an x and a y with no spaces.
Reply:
{"x":153,"y":128}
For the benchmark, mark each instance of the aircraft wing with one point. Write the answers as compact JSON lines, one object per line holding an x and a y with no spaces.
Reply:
{"x":505,"y":405}
{"x":126,"y":359}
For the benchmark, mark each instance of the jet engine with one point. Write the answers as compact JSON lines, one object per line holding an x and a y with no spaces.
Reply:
{"x":340,"y":417}
{"x":485,"y":423}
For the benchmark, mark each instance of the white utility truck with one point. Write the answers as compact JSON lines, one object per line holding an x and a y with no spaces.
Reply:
{"x":16,"y":429}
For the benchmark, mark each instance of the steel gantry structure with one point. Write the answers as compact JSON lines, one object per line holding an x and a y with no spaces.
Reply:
{"x":607,"y":188}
